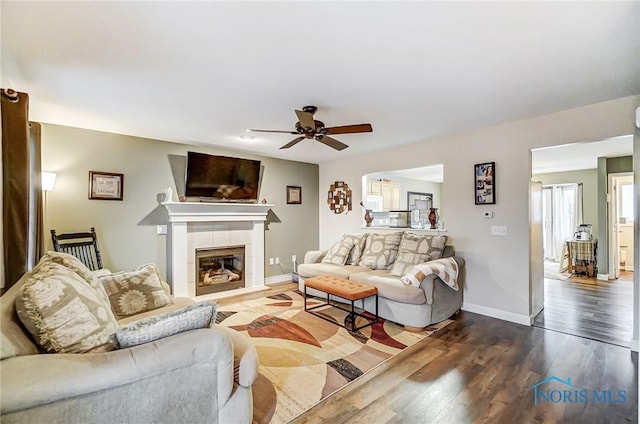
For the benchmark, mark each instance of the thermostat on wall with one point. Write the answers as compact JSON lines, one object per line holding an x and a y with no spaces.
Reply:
{"x":487,"y":214}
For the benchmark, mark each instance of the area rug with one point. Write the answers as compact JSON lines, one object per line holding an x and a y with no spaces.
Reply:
{"x":552,"y":271}
{"x":303,"y":358}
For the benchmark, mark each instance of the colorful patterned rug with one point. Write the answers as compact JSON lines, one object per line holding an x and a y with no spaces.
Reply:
{"x":303,"y":358}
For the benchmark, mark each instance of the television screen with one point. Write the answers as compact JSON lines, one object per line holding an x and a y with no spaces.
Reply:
{"x":222,"y":178}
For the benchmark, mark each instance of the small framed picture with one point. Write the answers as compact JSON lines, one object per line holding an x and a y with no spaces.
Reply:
{"x":106,"y":185}
{"x":294,"y":195}
{"x":485,"y":183}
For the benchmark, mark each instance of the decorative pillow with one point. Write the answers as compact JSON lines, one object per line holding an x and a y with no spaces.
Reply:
{"x":359,"y":240}
{"x":71,"y":262}
{"x":380,"y":250}
{"x":415,"y":249}
{"x":136,"y":291}
{"x":63,"y":313}
{"x":74,"y":264}
{"x":339,"y":252}
{"x":198,"y":315}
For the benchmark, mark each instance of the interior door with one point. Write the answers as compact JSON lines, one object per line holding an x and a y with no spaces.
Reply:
{"x":612,"y":224}
{"x":536,"y":252}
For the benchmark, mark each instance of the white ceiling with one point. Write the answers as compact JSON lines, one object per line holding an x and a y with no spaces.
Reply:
{"x":203,"y":72}
{"x":577,"y":156}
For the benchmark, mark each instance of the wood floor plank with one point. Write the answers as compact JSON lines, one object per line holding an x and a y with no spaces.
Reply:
{"x":587,"y":307}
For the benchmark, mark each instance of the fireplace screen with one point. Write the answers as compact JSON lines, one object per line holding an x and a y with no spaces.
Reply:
{"x":219,"y":269}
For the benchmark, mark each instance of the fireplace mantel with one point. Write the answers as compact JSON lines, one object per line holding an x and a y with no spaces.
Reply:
{"x":212,"y":212}
{"x":195,"y":225}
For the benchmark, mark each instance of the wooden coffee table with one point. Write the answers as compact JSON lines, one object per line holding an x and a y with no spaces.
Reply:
{"x":345,"y":289}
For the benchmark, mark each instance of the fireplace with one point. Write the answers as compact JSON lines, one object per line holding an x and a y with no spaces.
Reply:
{"x":202,"y":225}
{"x":219,"y":269}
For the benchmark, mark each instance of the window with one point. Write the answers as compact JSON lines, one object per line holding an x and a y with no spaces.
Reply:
{"x":626,"y":203}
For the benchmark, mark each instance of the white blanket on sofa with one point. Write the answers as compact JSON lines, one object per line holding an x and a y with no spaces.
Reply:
{"x":445,"y":268}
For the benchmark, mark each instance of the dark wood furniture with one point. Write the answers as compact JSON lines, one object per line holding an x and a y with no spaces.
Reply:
{"x":83,"y":246}
{"x":345,"y":289}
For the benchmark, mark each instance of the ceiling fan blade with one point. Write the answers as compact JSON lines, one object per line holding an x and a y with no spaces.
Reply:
{"x":350,"y":129}
{"x":293,"y":142}
{"x":274,"y":131}
{"x":332,"y":142}
{"x":306,"y":119}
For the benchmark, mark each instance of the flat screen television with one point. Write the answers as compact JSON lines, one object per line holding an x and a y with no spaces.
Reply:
{"x":222,"y":178}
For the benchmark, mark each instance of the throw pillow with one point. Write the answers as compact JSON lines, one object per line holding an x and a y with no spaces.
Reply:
{"x":415,"y":249}
{"x":74,"y":264}
{"x":380,"y":250}
{"x":71,"y":262}
{"x":359,"y":240}
{"x":63,"y":313}
{"x":136,"y":291}
{"x":198,"y":315}
{"x":339,"y":252}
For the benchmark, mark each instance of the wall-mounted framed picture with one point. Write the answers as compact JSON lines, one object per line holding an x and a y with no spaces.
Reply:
{"x":294,"y":195}
{"x":106,"y":185}
{"x":485,"y":183}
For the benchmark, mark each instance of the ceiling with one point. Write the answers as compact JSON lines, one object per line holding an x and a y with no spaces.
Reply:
{"x":203,"y":72}
{"x":577,"y":156}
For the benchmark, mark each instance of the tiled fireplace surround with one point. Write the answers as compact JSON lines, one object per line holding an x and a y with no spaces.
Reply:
{"x":195,"y":225}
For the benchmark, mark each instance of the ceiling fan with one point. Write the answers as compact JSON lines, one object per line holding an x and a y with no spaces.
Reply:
{"x":307,"y":127}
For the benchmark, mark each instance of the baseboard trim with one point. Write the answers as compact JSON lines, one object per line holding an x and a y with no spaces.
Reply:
{"x":282,"y":278}
{"x":634,"y":344}
{"x":602,"y":277}
{"x":498,"y":313}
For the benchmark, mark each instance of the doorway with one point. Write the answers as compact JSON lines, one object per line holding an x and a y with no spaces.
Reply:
{"x":620,"y":225}
{"x":600,"y":309}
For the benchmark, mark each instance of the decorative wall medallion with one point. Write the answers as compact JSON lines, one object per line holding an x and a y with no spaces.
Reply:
{"x":339,"y":197}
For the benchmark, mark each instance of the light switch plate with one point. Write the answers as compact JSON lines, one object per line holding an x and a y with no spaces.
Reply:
{"x":161,"y":229}
{"x":498,"y":230}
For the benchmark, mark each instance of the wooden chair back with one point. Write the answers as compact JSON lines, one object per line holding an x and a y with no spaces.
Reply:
{"x":83,"y":246}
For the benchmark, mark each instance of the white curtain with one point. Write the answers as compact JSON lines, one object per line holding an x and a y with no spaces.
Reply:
{"x":563,"y":213}
{"x":579,"y":205}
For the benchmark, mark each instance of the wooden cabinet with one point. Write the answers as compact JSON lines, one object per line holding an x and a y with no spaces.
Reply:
{"x":388,"y":190}
{"x":374,"y":188}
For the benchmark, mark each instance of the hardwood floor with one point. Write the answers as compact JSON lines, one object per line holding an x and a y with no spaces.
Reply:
{"x":481,"y":370}
{"x":591,"y":308}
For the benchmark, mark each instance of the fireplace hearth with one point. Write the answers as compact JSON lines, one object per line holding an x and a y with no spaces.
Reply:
{"x":219,"y":269}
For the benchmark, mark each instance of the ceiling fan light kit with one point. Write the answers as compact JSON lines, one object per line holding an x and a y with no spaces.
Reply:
{"x":308,"y":128}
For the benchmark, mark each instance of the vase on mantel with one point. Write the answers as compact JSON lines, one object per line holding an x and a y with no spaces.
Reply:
{"x":433,"y":218}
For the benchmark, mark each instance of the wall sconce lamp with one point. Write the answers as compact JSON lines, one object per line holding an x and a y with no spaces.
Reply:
{"x":48,"y":180}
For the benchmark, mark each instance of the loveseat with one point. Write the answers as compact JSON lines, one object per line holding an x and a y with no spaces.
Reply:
{"x":187,"y":377}
{"x":384,"y":261}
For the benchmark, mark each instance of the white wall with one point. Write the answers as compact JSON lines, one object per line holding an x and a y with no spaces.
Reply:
{"x":497,"y":267}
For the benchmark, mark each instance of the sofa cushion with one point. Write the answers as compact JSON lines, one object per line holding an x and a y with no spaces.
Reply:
{"x":74,"y":264}
{"x":176,"y":303}
{"x":197,"y":315}
{"x":415,"y":249}
{"x":380,"y":250}
{"x":64,"y":313}
{"x":339,"y":252}
{"x":315,"y":270}
{"x":359,"y":240}
{"x":390,"y":287}
{"x":136,"y":291}
{"x":15,"y":340}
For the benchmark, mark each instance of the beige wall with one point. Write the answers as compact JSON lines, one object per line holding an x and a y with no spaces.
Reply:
{"x":127,"y":229}
{"x":589,"y":180}
{"x":497,"y":267}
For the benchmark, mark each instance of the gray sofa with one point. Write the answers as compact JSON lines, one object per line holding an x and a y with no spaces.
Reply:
{"x":184,"y":378}
{"x":413,"y":307}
